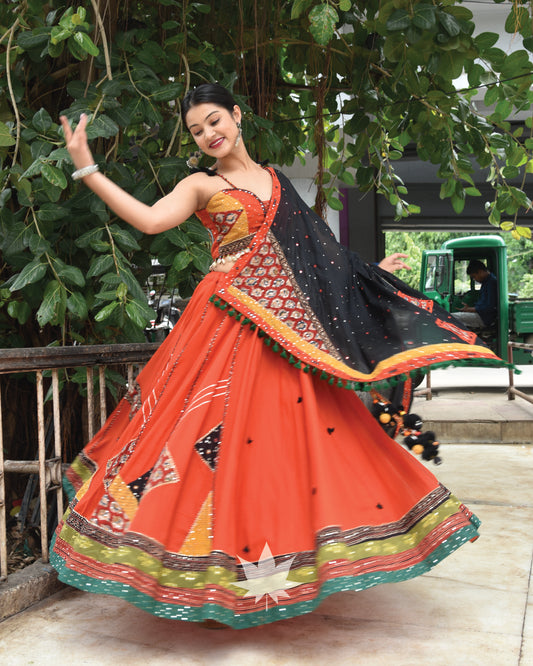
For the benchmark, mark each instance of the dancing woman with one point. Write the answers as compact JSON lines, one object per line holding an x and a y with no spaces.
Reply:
{"x":242,"y":480}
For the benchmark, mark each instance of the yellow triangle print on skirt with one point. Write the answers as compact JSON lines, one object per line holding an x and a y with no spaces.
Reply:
{"x":198,"y":541}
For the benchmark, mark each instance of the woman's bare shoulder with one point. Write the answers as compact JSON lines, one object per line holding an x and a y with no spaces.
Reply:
{"x":202,"y":184}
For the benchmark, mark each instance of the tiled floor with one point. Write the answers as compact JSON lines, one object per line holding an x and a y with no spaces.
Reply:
{"x":474,"y":608}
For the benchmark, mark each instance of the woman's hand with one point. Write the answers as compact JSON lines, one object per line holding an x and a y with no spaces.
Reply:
{"x":394,"y":262}
{"x":76,"y":142}
{"x":168,"y":212}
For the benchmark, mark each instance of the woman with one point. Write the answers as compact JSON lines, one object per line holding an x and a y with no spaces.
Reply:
{"x":243,"y":480}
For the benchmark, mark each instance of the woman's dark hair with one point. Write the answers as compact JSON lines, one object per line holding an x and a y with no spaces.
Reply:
{"x":212,"y":93}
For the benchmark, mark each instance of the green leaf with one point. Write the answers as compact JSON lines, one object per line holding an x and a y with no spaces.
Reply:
{"x":30,"y":274}
{"x":76,"y":50}
{"x":335,"y":203}
{"x":517,"y":19}
{"x":181,"y":261}
{"x":345,"y":5}
{"x":112,"y":88}
{"x":59,"y":154}
{"x":486,"y":40}
{"x":102,"y":126}
{"x":347,"y":177}
{"x":100,"y":265}
{"x":167,"y":93}
{"x":38,"y":246}
{"x":528,"y":43}
{"x":492,"y":95}
{"x":507,"y":226}
{"x":89,"y":236}
{"x":98,"y":207}
{"x":77,"y":305}
{"x":458,"y":199}
{"x":424,"y":16}
{"x":5,"y":136}
{"x":201,"y":7}
{"x":323,"y":20}
{"x":503,"y":108}
{"x":106,"y":311}
{"x":395,"y":48}
{"x":139,"y":313}
{"x":299,"y":7}
{"x":201,"y":258}
{"x":86,"y":43}
{"x":19,"y":310}
{"x":32,"y":40}
{"x":450,"y":24}
{"x":59,"y":35}
{"x":54,"y":176}
{"x":71,"y":275}
{"x":50,"y":212}
{"x":42,"y":121}
{"x":53,"y":306}
{"x":124,"y":238}
{"x":398,"y":20}
{"x":34,"y":169}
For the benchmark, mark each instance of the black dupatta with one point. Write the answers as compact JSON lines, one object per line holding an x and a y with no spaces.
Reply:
{"x":319,"y":305}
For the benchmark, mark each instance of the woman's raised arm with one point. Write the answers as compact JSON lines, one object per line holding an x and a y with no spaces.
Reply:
{"x":168,"y":212}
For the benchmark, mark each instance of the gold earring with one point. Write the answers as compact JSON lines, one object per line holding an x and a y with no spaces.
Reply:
{"x":194,"y":160}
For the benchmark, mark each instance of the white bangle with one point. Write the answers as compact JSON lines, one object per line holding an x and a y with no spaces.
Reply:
{"x":85,"y":171}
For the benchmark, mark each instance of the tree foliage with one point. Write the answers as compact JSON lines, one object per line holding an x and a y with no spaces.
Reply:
{"x":355,"y":82}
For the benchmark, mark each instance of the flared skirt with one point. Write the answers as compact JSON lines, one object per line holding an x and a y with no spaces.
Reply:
{"x":229,"y":485}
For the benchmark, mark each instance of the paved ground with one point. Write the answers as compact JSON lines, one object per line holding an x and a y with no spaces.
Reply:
{"x":470,"y":405}
{"x":475,"y":608}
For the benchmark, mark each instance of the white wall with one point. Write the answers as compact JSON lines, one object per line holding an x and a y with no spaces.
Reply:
{"x":302,"y":177}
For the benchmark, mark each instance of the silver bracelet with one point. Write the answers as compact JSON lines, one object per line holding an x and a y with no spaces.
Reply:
{"x":85,"y":171}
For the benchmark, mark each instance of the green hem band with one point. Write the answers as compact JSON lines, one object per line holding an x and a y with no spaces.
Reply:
{"x":277,"y":611}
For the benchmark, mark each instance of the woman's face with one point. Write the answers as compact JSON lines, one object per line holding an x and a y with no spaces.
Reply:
{"x":213,"y":128}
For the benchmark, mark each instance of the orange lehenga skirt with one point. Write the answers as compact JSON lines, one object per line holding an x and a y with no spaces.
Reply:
{"x":232,"y":486}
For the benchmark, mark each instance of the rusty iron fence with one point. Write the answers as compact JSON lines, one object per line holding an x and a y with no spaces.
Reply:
{"x":50,"y":360}
{"x":512,"y":391}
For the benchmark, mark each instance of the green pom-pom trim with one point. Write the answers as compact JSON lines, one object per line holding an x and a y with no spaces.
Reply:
{"x":349,"y":385}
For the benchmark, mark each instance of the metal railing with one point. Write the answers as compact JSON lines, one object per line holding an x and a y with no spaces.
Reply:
{"x":49,"y":470}
{"x":512,"y":390}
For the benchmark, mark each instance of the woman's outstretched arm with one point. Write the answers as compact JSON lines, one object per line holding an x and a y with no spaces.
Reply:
{"x":168,"y":212}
